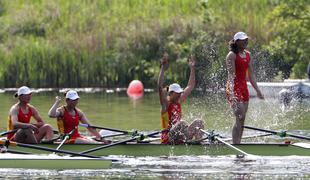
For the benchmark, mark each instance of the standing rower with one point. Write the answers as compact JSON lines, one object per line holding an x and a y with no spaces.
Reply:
{"x":239,"y":67}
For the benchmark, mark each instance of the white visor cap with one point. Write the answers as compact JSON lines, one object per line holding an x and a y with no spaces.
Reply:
{"x":175,"y":88}
{"x":240,"y":36}
{"x":23,"y":90}
{"x":72,"y":95}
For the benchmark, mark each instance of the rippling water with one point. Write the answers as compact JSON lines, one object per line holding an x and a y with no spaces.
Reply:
{"x":183,"y":167}
{"x":119,"y":112}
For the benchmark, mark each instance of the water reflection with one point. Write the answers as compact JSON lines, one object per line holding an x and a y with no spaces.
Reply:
{"x":184,"y":167}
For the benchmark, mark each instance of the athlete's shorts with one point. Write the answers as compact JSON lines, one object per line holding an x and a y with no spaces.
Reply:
{"x":241,"y":94}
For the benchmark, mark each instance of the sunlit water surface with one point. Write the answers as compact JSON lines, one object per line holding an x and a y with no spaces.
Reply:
{"x":182,"y":167}
{"x":118,"y":111}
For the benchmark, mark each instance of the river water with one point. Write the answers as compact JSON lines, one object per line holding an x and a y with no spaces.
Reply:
{"x":116,"y":110}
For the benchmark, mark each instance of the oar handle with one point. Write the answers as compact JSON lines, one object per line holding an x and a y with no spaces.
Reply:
{"x":226,"y":143}
{"x":259,"y":129}
{"x":105,"y":128}
{"x":67,"y":136}
{"x":71,"y":132}
{"x":8,"y":132}
{"x":120,"y":142}
{"x":132,"y":133}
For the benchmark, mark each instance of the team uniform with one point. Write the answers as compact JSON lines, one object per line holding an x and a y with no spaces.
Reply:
{"x":67,"y":123}
{"x":22,"y":117}
{"x":240,"y":90}
{"x":168,"y":119}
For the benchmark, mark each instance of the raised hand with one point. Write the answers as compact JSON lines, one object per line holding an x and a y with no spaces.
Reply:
{"x":164,"y":61}
{"x":57,"y":98}
{"x":192,"y":61}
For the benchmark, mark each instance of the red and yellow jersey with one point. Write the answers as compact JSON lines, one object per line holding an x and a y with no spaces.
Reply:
{"x":169,"y":118}
{"x":22,"y":117}
{"x":68,"y":122}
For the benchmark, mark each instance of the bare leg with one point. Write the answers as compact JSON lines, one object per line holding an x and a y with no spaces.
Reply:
{"x":194,"y":129}
{"x":178,"y":132}
{"x":25,"y":136}
{"x":240,"y":110}
{"x":45,"y":131}
{"x":86,"y":141}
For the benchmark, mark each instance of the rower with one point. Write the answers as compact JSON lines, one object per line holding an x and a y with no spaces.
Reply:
{"x":178,"y":130}
{"x":19,"y":118}
{"x":68,"y":118}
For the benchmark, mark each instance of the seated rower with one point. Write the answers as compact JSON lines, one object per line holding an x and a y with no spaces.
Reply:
{"x":19,"y":118}
{"x":178,"y":130}
{"x":68,"y":118}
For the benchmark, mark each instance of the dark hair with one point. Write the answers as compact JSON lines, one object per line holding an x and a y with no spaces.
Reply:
{"x":167,"y":89}
{"x":233,"y":46}
{"x":65,"y":93}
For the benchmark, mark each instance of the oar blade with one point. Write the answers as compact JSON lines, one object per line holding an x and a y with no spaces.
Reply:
{"x":302,"y":145}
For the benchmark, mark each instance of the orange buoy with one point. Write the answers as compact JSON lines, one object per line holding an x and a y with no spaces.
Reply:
{"x":135,"y":89}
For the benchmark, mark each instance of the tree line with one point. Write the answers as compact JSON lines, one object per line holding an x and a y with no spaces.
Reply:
{"x":108,"y":43}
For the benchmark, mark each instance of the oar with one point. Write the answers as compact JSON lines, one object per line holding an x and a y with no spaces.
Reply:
{"x":279,"y":133}
{"x":14,"y":131}
{"x":17,"y":152}
{"x":8,"y":132}
{"x":120,"y":142}
{"x":226,"y":143}
{"x":105,"y":128}
{"x":7,"y":143}
{"x":251,"y":136}
{"x":66,"y":138}
{"x":132,"y":133}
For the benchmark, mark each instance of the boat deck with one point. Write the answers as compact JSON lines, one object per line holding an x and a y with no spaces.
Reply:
{"x":156,"y":149}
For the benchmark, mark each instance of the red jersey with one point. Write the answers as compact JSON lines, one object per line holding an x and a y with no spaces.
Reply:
{"x":174,"y":112}
{"x":240,"y":85}
{"x":22,"y":117}
{"x":70,"y":122}
{"x":174,"y":115}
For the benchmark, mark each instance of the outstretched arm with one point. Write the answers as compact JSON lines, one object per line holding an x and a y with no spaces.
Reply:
{"x":164,"y":64}
{"x":93,"y":131}
{"x":192,"y":79}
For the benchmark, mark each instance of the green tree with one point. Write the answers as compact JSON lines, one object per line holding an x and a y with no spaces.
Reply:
{"x":290,"y":47}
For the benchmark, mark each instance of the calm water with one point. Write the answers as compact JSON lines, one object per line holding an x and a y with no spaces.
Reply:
{"x":118,"y":111}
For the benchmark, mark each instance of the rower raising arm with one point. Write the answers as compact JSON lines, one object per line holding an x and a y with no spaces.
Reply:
{"x":69,"y":116}
{"x":178,"y":130}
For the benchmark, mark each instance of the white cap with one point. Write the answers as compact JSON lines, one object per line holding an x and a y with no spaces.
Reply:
{"x":23,"y":90}
{"x":240,"y":36}
{"x":175,"y":88}
{"x":72,"y":95}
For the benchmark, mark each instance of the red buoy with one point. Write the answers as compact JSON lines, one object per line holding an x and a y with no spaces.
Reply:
{"x":135,"y":89}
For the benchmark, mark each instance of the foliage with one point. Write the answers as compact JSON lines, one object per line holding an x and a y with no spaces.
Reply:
{"x":108,"y":43}
{"x":290,"y":46}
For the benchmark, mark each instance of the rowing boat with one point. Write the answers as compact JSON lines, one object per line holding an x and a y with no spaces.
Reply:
{"x":157,"y":149}
{"x":8,"y":160}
